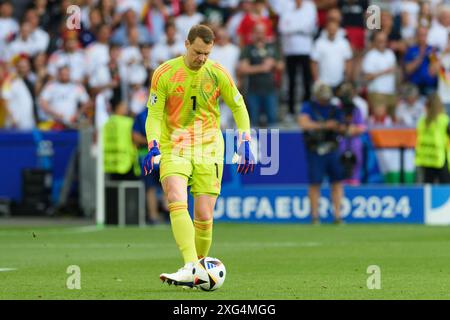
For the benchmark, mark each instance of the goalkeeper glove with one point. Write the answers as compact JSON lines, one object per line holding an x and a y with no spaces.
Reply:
{"x":151,"y":160}
{"x":246,"y":159}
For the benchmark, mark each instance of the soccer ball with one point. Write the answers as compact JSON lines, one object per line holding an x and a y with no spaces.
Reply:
{"x":209,"y":274}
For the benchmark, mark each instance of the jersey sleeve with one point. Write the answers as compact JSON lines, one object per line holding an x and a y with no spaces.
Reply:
{"x":156,"y":103}
{"x":234,"y":100}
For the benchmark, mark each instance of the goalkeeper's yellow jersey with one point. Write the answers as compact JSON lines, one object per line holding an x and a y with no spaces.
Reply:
{"x":183,"y":108}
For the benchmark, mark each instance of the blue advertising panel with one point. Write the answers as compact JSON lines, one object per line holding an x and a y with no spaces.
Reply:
{"x":19,"y":150}
{"x":437,"y":204}
{"x":292,"y":205}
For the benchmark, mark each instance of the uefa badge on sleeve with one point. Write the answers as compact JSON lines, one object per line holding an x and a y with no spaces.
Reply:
{"x":153,"y":99}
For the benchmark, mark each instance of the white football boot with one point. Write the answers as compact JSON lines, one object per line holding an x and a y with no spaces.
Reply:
{"x":184,"y":277}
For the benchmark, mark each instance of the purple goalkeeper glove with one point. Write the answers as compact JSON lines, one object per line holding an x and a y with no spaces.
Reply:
{"x":151,"y":160}
{"x":245,"y":158}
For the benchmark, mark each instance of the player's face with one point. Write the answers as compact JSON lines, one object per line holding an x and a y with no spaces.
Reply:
{"x":197,"y":53}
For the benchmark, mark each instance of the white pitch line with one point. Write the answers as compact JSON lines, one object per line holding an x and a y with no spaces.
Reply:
{"x":83,"y":229}
{"x":103,"y":245}
{"x":7,"y":269}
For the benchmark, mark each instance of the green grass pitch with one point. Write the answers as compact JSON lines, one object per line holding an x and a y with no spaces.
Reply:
{"x":263,"y":262}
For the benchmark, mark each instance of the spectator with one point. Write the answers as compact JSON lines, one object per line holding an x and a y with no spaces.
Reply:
{"x":30,"y":79}
{"x":410,"y":13}
{"x":354,"y":23}
{"x":379,"y":67}
{"x":395,"y":41}
{"x":380,"y":117}
{"x":88,"y":33}
{"x":227,"y":54}
{"x":331,"y":57}
{"x":18,"y":98}
{"x":351,"y":145}
{"x":8,"y":27}
{"x":321,"y":121}
{"x":417,"y":63}
{"x":152,"y":183}
{"x":323,"y":8}
{"x":138,"y":94}
{"x":411,"y":108}
{"x":63,"y":102}
{"x":97,"y":60}
{"x":257,"y":15}
{"x":43,"y":10}
{"x":336,"y":16}
{"x":130,"y":21}
{"x":432,"y":146}
{"x":425,"y":15}
{"x":23,"y":44}
{"x":3,"y":79}
{"x":39,"y":65}
{"x":438,"y":33}
{"x":109,"y":14}
{"x":57,"y":23}
{"x":146,"y":53}
{"x":71,"y":55}
{"x":40,"y":37}
{"x":171,"y":46}
{"x":442,"y":64}
{"x":155,"y":17}
{"x":258,"y":62}
{"x":214,"y":14}
{"x":353,"y":14}
{"x":188,"y":19}
{"x":297,"y":28}
{"x":245,"y":7}
{"x":117,"y":74}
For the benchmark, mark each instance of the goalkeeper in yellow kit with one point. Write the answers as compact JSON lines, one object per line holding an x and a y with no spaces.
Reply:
{"x":183,"y":132}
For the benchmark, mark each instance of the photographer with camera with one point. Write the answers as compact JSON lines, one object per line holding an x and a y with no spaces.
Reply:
{"x":321,"y":122}
{"x":351,"y":145}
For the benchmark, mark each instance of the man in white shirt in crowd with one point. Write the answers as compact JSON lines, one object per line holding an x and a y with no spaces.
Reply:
{"x":170,"y":46}
{"x":70,"y":56}
{"x":227,"y":54}
{"x":23,"y":44}
{"x":331,"y":57}
{"x":440,"y":28}
{"x":188,"y":19}
{"x":18,"y":98}
{"x":97,"y":60}
{"x":9,"y":27}
{"x":40,"y":37}
{"x":131,"y":60}
{"x":379,"y":68}
{"x":298,"y":27}
{"x":63,"y":101}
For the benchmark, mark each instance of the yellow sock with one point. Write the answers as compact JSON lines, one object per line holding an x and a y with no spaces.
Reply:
{"x":203,"y":237}
{"x":183,"y":230}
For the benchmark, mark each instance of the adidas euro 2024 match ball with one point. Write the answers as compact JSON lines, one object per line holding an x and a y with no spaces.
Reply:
{"x":209,"y":274}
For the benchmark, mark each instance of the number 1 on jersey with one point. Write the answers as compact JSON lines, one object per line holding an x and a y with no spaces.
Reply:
{"x":194,"y":102}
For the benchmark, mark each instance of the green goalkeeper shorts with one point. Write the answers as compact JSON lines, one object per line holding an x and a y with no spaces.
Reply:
{"x":203,"y":177}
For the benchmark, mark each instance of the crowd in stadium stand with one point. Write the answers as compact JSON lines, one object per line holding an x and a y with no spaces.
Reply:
{"x":58,"y":71}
